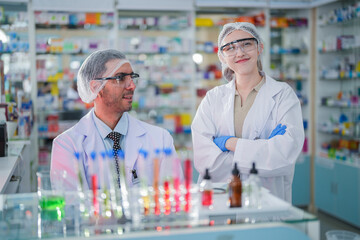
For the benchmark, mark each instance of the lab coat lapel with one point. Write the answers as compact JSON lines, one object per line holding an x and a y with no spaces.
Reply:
{"x":92,"y":139}
{"x":134,"y":141}
{"x":261,"y":110}
{"x":228,"y":104}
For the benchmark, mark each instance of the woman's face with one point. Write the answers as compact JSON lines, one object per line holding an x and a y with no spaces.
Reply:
{"x":244,"y":60}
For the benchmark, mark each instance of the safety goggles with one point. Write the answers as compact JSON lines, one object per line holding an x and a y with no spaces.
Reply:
{"x":246,"y":45}
{"x":122,"y":78}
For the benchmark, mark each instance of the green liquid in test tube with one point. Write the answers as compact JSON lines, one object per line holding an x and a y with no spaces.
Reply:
{"x":52,"y":207}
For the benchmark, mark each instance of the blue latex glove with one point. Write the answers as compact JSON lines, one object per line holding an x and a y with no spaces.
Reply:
{"x":221,"y":141}
{"x":279,"y":130}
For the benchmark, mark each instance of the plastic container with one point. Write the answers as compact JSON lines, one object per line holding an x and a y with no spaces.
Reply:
{"x":341,"y":235}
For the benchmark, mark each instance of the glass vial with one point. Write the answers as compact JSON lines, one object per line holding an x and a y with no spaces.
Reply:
{"x":253,"y":188}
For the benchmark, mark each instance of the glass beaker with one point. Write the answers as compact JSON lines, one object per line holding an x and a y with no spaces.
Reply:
{"x":51,"y":216}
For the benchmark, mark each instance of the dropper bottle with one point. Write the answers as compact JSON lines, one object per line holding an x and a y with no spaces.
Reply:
{"x":206,"y":190}
{"x":235,"y":188}
{"x":254,"y":186}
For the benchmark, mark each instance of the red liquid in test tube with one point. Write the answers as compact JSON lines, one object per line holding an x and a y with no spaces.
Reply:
{"x":94,"y":189}
{"x":167,"y":198}
{"x":188,"y":179}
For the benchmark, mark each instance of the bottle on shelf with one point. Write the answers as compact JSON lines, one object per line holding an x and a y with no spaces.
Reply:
{"x":235,"y":188}
{"x":206,"y":190}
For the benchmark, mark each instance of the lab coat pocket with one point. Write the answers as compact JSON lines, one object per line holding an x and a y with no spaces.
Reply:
{"x":129,"y":176}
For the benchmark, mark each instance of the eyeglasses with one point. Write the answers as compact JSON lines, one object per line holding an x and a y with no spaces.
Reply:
{"x":246,"y":45}
{"x":123,"y":78}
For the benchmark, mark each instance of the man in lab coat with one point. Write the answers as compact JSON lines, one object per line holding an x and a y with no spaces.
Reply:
{"x":106,"y":78}
{"x":253,"y":118}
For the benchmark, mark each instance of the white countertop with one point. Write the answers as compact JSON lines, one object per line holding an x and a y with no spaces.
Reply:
{"x":7,"y":167}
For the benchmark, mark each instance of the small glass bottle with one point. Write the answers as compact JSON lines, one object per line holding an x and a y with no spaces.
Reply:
{"x":206,"y":190}
{"x":235,"y":188}
{"x":254,"y":186}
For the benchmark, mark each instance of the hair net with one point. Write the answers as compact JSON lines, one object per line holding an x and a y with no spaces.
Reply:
{"x":93,"y":67}
{"x":229,"y":28}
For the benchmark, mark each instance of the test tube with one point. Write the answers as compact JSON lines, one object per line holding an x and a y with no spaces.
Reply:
{"x":167,"y":182}
{"x":123,"y":185}
{"x":188,"y":180}
{"x":143,"y":180}
{"x":113,"y":186}
{"x":103,"y":186}
{"x":156,"y":168}
{"x":176,"y":173}
{"x":94,"y":184}
{"x":78,"y":172}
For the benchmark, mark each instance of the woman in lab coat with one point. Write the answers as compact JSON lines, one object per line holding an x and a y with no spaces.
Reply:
{"x":253,"y":118}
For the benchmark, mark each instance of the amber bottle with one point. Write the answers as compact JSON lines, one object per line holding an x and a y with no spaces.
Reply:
{"x":235,"y":188}
{"x":206,"y":190}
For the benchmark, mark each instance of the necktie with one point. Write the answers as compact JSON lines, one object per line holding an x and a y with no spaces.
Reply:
{"x":115,"y":136}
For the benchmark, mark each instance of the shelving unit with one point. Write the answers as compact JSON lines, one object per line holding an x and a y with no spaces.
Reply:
{"x":15,"y":62}
{"x":159,"y":44}
{"x":64,"y":36}
{"x":338,"y":112}
{"x":16,"y":84}
{"x":208,"y":67}
{"x":290,"y":63}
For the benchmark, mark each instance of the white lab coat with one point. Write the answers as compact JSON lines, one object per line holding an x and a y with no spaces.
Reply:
{"x":275,"y":158}
{"x":84,"y":138}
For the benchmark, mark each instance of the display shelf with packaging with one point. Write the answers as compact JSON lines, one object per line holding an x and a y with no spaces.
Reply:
{"x":289,"y":49}
{"x":16,"y":100}
{"x":338,"y":114}
{"x":159,"y":46}
{"x":290,"y":63}
{"x":15,"y":70}
{"x":63,"y":41}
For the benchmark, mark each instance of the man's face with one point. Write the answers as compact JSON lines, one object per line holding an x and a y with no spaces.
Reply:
{"x":118,"y":96}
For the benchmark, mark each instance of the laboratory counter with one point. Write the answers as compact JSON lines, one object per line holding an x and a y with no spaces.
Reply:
{"x":13,"y":167}
{"x":78,"y":215}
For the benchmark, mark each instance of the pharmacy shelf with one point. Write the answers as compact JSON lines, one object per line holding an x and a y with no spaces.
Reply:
{"x":291,"y":79}
{"x":344,"y":23}
{"x":337,"y":188}
{"x":340,"y":51}
{"x":347,"y":136}
{"x":160,"y":46}
{"x":354,"y":108}
{"x":73,"y":27}
{"x":340,"y":79}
